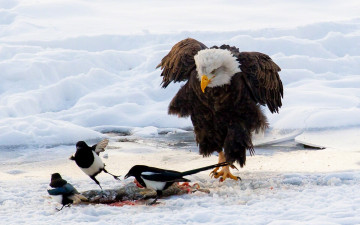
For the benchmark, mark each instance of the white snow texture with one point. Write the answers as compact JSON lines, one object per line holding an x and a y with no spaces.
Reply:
{"x":67,"y":67}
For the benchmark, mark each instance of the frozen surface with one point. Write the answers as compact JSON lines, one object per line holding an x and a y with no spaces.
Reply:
{"x":284,"y":184}
{"x":347,"y":139}
{"x":74,"y":70}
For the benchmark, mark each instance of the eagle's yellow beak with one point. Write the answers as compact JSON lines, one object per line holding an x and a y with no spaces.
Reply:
{"x":204,"y":82}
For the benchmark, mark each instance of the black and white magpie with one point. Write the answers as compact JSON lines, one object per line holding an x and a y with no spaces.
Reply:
{"x":160,"y":179}
{"x":63,"y":192}
{"x":87,"y":158}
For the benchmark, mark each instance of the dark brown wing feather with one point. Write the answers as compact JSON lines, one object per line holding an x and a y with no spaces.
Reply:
{"x":178,"y":64}
{"x":262,"y":78}
{"x":260,"y":75}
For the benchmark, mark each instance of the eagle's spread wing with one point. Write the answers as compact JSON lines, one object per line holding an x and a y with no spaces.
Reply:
{"x":179,"y":63}
{"x":262,"y":78}
{"x":260,"y":75}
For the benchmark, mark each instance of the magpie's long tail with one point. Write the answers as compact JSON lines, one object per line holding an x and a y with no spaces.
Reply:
{"x":203,"y":168}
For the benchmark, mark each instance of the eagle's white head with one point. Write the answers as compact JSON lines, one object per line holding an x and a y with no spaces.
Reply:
{"x":215,"y":67}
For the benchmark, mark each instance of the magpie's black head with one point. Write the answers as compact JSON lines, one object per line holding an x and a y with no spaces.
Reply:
{"x":57,"y":181}
{"x":135,"y":171}
{"x":81,"y":145}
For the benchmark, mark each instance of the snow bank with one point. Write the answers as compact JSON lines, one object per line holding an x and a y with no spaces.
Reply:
{"x":37,"y":131}
{"x":73,"y":66}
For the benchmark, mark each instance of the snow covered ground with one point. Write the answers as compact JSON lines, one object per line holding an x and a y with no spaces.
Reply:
{"x":282,"y":184}
{"x":72,"y":70}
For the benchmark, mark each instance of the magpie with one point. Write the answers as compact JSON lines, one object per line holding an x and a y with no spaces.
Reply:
{"x":160,"y":179}
{"x":64,"y":192}
{"x":87,"y":158}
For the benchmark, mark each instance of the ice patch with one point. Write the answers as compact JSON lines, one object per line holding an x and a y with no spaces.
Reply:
{"x":15,"y":172}
{"x":293,"y":181}
{"x":346,"y":139}
{"x":145,"y":132}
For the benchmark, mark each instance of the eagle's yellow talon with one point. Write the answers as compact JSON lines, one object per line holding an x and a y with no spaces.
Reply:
{"x":234,"y":167}
{"x":224,"y":173}
{"x":232,"y":176}
{"x":214,"y":171}
{"x":217,"y":175}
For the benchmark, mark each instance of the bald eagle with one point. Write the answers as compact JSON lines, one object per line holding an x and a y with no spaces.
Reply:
{"x":223,"y":92}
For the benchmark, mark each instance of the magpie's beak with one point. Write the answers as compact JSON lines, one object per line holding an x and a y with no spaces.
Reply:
{"x":72,"y":157}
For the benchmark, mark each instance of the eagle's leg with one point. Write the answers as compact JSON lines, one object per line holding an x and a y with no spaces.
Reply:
{"x":225,"y":171}
{"x":221,"y":160}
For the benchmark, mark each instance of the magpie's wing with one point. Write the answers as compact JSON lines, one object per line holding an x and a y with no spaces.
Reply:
{"x":57,"y":191}
{"x":163,"y":176}
{"x":66,"y":189}
{"x":100,"y":147}
{"x":71,"y":188}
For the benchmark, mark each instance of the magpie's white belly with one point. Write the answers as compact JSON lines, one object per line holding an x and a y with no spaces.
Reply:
{"x":156,"y":185}
{"x":57,"y":198}
{"x":95,"y":167}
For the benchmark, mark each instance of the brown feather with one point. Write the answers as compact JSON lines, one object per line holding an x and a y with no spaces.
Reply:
{"x":178,"y":64}
{"x":261,"y":76}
